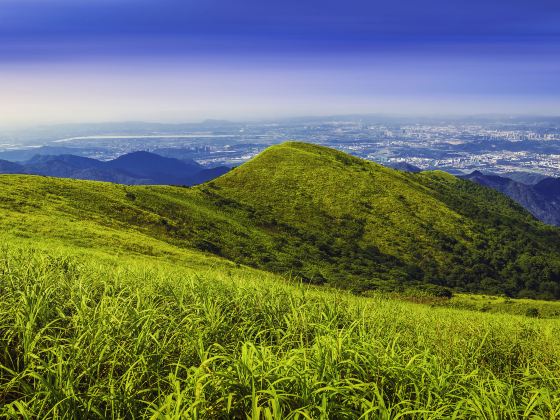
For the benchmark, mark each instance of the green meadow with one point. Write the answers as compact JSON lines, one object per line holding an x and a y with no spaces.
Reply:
{"x":229,"y":300}
{"x":98,"y":336}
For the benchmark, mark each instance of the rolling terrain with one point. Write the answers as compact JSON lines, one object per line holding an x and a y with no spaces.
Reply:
{"x":139,"y":301}
{"x":541,"y":199}
{"x":315,"y":214}
{"x":537,"y":193}
{"x":136,"y":168}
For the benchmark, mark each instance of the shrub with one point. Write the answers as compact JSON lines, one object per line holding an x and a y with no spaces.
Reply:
{"x":437,"y":291}
{"x":532,"y":312}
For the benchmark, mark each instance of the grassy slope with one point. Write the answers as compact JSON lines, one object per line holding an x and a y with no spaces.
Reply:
{"x":97,"y":337}
{"x":351,"y":212}
{"x":103,"y":315}
{"x":311,"y":211}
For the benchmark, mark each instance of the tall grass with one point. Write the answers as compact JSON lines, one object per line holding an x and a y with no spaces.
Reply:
{"x":102,"y":338}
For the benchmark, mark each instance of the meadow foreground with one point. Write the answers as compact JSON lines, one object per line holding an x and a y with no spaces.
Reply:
{"x":105,"y":337}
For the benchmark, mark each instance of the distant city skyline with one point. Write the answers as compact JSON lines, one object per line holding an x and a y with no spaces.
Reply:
{"x":178,"y":61}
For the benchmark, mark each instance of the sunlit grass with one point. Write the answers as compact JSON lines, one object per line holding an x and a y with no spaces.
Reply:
{"x":98,"y":337}
{"x":115,"y":302}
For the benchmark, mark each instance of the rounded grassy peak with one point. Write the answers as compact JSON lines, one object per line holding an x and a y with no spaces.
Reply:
{"x":311,"y":211}
{"x":354,"y":214}
{"x":315,"y":188}
{"x":303,"y":152}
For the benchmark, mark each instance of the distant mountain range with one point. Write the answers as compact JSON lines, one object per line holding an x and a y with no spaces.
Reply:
{"x":542,"y":200}
{"x":137,"y":168}
{"x":529,"y":178}
{"x":537,"y":193}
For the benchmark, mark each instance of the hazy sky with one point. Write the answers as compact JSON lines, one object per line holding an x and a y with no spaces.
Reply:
{"x":184,"y":60}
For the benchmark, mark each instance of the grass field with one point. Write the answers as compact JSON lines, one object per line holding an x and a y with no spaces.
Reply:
{"x":533,"y":308}
{"x":98,"y":336}
{"x":151,"y":302}
{"x":504,"y":305}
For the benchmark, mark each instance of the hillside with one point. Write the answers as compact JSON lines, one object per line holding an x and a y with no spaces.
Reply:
{"x":527,"y":178}
{"x":114,"y":304}
{"x":541,"y":199}
{"x":89,"y":336}
{"x":364,"y":218}
{"x":314,"y":213}
{"x":404,"y":166}
{"x":537,"y":193}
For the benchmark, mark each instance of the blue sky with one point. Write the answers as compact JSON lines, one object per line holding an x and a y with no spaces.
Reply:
{"x":169,"y":60}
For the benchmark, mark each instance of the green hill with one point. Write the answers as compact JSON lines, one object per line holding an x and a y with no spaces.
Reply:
{"x":311,"y":212}
{"x":86,"y":335}
{"x":117,"y":302}
{"x":375,"y":223}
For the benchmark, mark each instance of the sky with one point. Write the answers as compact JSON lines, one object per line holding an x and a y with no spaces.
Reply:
{"x":184,"y":60}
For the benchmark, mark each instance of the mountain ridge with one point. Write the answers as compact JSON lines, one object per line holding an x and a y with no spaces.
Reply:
{"x":136,"y":168}
{"x":542,"y":199}
{"x":538,"y":194}
{"x":317,"y":214}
